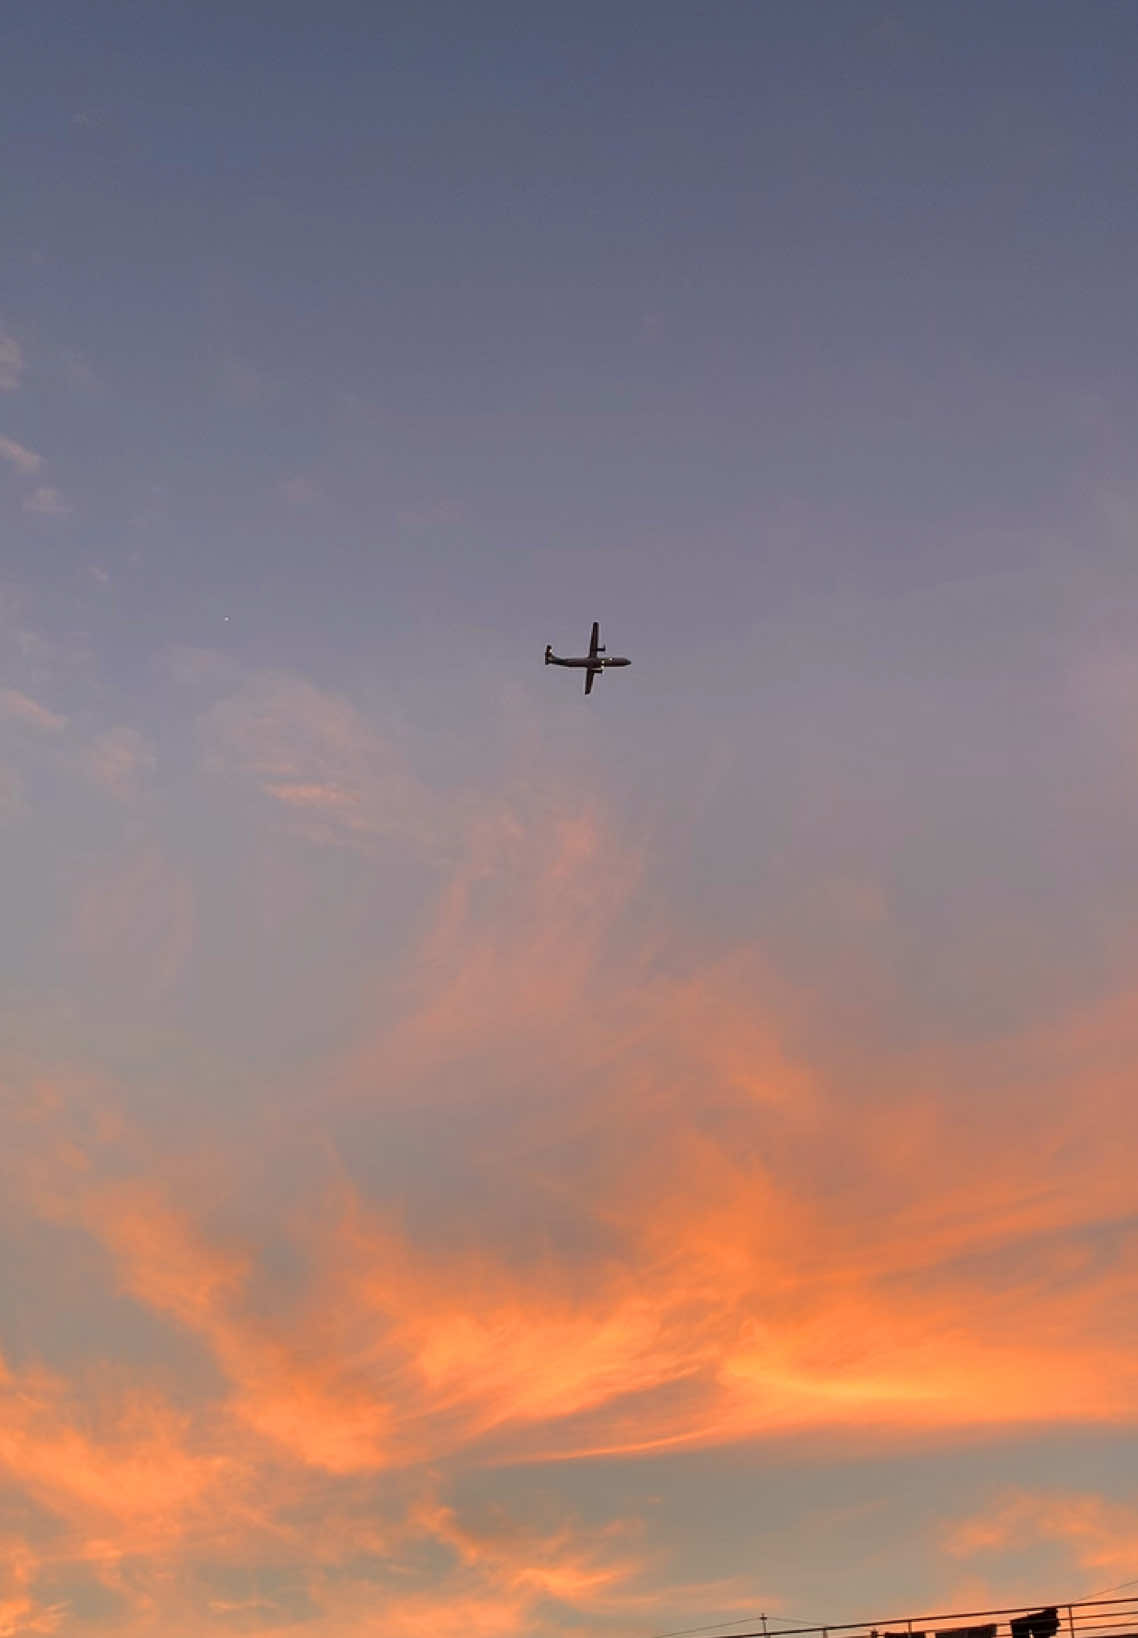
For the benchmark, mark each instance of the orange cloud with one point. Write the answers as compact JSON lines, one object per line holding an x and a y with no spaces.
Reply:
{"x":156,"y":1504}
{"x":1100,"y":1534}
{"x":20,"y":1611}
{"x":773,"y":1252}
{"x":752,"y":1242}
{"x":305,"y":1402}
{"x":513,"y":943}
{"x":784,"y":1252}
{"x":115,"y":1463}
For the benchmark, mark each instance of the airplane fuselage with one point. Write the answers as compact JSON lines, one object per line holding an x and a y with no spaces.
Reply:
{"x":596,"y":662}
{"x":592,"y":663}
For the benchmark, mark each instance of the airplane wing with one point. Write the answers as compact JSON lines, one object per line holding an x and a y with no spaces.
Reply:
{"x":595,"y":639}
{"x":589,"y":675}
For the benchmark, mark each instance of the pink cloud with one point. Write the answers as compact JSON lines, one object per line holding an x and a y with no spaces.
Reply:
{"x":24,"y":460}
{"x":16,"y":707}
{"x":314,"y":754}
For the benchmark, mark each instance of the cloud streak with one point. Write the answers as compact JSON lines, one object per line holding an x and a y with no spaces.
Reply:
{"x":18,"y":455}
{"x":20,"y":708}
{"x":315,"y":755}
{"x":1099,"y":1534}
{"x":728,"y":1302}
{"x":692,"y":1232}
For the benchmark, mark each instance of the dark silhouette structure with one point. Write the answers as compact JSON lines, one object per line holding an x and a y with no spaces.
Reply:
{"x":1101,"y":1617}
{"x":592,"y":664}
{"x":1040,"y":1624}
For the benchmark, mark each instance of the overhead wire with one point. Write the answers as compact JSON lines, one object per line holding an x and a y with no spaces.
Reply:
{"x":743,"y":1620}
{"x":1104,"y":1590}
{"x":817,"y":1626}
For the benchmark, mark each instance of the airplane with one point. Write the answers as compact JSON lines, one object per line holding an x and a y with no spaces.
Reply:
{"x":593,"y":663}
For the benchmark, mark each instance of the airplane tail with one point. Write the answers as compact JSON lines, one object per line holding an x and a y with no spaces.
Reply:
{"x":548,"y":653}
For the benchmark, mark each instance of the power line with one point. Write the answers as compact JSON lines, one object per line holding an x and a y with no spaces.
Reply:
{"x":743,"y":1620}
{"x":1104,"y":1590}
{"x":712,"y":1626}
{"x":820,"y":1627}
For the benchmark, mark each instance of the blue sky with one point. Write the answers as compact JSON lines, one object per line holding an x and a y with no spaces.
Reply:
{"x":573,"y":1158}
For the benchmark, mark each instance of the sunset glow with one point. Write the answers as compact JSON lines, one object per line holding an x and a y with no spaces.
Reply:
{"x":482,"y":1161}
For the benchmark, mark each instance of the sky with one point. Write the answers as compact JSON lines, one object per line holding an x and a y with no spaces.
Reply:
{"x":481,"y":1161}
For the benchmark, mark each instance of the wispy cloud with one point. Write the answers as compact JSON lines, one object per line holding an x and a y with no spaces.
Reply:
{"x":1099,"y":1533}
{"x":316,"y":756}
{"x":721,"y":1300}
{"x":23,"y":459}
{"x":20,"y":1611}
{"x":161,"y":1507}
{"x":727,"y":1237}
{"x":46,"y":501}
{"x":118,"y":760}
{"x":16,"y":707}
{"x":783,"y":1261}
